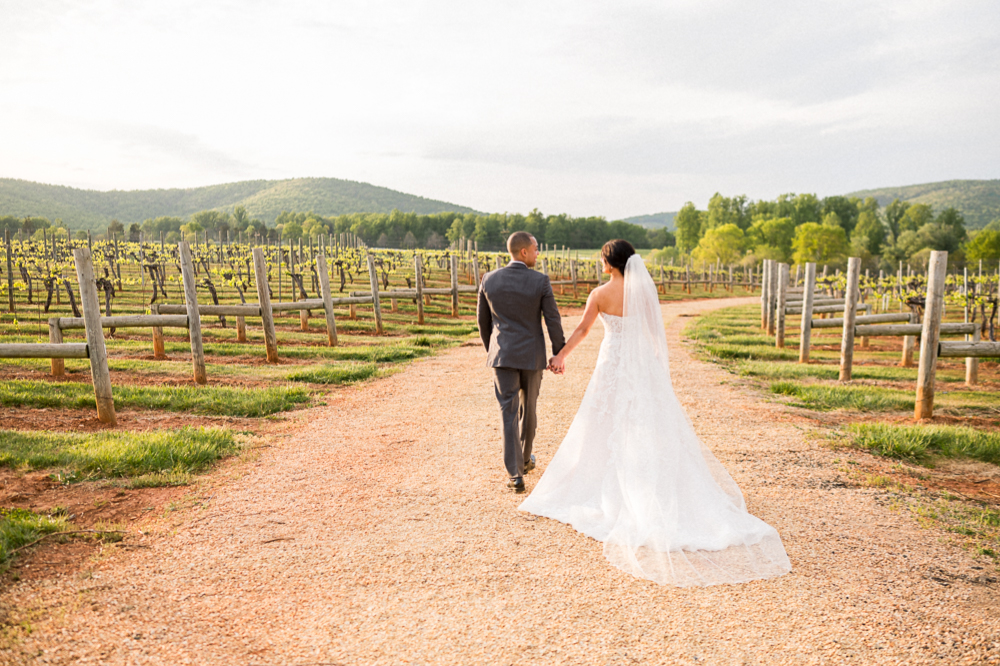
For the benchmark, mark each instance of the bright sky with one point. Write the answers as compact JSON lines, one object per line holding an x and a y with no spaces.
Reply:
{"x":607,"y":108}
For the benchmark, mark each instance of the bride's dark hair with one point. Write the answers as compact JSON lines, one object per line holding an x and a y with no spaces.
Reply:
{"x":617,"y":252}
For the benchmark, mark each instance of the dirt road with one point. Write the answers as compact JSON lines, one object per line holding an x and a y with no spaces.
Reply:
{"x":382,"y":533}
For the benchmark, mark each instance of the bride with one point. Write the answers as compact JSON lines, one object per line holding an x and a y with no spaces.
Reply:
{"x":631,"y":472}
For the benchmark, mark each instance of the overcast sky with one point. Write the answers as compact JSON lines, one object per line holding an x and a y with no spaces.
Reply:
{"x":606,"y":108}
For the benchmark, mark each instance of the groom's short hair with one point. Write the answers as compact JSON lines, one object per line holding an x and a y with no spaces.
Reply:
{"x":517,"y":241}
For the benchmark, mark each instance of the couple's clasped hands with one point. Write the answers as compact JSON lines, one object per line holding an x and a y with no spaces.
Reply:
{"x":557,"y":365}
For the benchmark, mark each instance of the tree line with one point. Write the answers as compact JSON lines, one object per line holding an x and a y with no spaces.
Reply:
{"x":394,"y":230}
{"x":798,"y":228}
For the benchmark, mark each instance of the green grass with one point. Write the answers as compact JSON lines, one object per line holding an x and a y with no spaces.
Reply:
{"x":729,"y":351}
{"x":331,"y":374}
{"x":856,"y":398}
{"x":19,"y":527}
{"x":207,"y":400}
{"x":80,"y":456}
{"x":921,"y":443}
{"x":769,"y":370}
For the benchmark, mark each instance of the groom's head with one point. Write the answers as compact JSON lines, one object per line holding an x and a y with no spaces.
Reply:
{"x":523,"y":247}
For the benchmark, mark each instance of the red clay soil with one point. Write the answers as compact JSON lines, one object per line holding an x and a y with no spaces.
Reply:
{"x":88,"y":505}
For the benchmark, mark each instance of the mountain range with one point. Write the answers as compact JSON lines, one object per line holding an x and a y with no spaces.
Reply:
{"x":263,"y":199}
{"x":978,"y":200}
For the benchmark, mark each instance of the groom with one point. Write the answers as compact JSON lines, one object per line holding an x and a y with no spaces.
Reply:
{"x":512,"y":302}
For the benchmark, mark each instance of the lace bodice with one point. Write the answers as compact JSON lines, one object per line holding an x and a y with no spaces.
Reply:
{"x":612,"y":324}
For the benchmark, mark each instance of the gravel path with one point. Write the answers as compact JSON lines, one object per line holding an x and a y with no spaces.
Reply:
{"x":382,"y":534}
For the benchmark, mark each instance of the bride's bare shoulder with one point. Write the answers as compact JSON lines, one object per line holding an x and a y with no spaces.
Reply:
{"x":609,"y":298}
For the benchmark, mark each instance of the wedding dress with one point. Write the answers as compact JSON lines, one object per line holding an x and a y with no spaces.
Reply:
{"x":632,"y":473}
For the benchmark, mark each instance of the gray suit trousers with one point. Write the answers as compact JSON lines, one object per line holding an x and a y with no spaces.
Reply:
{"x":517,"y":393}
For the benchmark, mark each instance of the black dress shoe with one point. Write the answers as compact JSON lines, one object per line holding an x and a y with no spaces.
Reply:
{"x":529,"y":464}
{"x":517,"y":483}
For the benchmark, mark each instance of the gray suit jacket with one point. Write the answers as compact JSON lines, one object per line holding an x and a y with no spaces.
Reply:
{"x":512,"y":302}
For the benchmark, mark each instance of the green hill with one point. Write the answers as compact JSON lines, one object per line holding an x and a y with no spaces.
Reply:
{"x":978,"y":200}
{"x":263,"y":199}
{"x":654,"y":221}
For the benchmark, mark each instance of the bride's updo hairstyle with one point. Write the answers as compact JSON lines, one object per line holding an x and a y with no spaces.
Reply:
{"x":617,"y":252}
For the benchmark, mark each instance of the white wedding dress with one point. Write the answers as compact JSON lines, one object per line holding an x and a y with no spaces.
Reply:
{"x":632,"y":473}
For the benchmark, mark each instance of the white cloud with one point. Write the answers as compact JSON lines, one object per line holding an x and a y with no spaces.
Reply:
{"x":584,"y":107}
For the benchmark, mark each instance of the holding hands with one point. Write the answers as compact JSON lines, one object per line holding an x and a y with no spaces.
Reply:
{"x":557,"y":365}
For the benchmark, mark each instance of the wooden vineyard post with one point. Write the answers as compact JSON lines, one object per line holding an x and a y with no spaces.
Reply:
{"x":971,"y":363}
{"x":850,"y":312}
{"x":194,"y":317}
{"x":500,"y":262}
{"x":779,"y":336}
{"x":909,"y":342}
{"x":418,"y":278}
{"x":264,"y":299}
{"x":772,"y":288}
{"x":454,"y":286}
{"x":241,"y":328}
{"x":763,"y":294}
{"x":56,"y":338}
{"x":937,"y":268}
{"x":159,"y":350}
{"x":572,"y":273}
{"x":10,"y":272}
{"x":373,"y":278}
{"x":805,"y":327}
{"x":324,"y":290}
{"x":96,"y":350}
{"x":475,"y":266}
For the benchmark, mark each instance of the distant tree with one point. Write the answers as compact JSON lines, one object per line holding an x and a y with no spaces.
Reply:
{"x":409,"y":241}
{"x":869,"y":233}
{"x":807,"y":209}
{"x":489,"y":232}
{"x":984,"y":246}
{"x":214,"y":220}
{"x":725,"y":210}
{"x":191,"y":230}
{"x":689,"y":222}
{"x":659,"y":238}
{"x":846,"y":210}
{"x":291,"y":230}
{"x":725,"y":244}
{"x":771,"y":238}
{"x":115,"y":227}
{"x":435,"y":241}
{"x":937,"y":236}
{"x":894,"y":213}
{"x":820,"y":243}
{"x":950,"y":217}
{"x":916,"y":216}
{"x":831,"y":219}
{"x":133,"y":232}
{"x":241,"y":218}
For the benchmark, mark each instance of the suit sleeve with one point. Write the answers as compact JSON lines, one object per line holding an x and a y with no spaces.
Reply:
{"x":553,"y":322}
{"x":484,"y":316}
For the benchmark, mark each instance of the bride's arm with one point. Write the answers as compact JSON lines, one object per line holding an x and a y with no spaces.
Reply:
{"x":558,"y":362}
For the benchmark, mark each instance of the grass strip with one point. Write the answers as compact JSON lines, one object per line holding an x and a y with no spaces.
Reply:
{"x":736,"y":351}
{"x":920,"y":443}
{"x":208,"y":400}
{"x":79,"y":456}
{"x":19,"y":527}
{"x":333,"y":374}
{"x":857,"y":398}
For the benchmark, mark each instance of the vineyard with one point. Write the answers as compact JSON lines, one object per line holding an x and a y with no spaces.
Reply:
{"x":869,"y":377}
{"x":252,"y":373}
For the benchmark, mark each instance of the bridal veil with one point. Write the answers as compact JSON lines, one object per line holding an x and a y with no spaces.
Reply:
{"x":633,"y":474}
